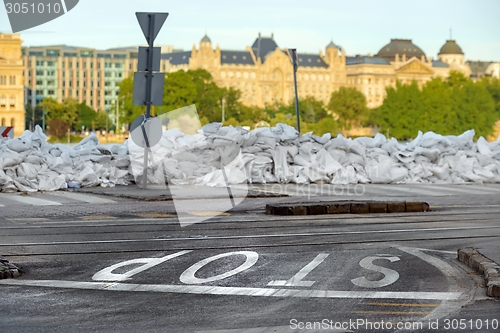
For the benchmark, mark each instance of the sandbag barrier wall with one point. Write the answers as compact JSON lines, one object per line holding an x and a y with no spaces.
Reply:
{"x":264,"y":155}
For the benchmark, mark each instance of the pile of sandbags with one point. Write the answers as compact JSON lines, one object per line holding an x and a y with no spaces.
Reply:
{"x":28,"y":163}
{"x":219,"y":155}
{"x":280,"y":155}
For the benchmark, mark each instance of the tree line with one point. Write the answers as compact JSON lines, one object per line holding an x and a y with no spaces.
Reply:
{"x":68,"y":115}
{"x":445,"y":106}
{"x":448,"y":106}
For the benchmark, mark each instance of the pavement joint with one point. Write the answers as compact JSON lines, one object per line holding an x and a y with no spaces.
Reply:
{"x":483,"y":265}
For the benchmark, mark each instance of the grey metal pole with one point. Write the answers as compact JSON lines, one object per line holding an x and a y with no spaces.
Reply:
{"x":293,"y":55}
{"x":148,"y":97}
{"x":297,"y":113}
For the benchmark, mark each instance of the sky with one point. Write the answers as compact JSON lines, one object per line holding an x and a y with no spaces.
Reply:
{"x":359,"y":26}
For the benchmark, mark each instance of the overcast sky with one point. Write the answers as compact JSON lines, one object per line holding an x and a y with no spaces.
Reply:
{"x":360,"y":26}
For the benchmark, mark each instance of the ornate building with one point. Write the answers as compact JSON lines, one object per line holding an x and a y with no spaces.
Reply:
{"x":263,"y":72}
{"x":404,"y":61}
{"x":11,"y":83}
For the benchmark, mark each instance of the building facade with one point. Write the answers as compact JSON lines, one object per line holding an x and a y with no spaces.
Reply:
{"x":11,"y":83}
{"x":87,"y":75}
{"x":262,"y":72}
{"x":403,"y":61}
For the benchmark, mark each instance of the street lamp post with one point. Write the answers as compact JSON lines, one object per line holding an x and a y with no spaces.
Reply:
{"x":293,"y":56}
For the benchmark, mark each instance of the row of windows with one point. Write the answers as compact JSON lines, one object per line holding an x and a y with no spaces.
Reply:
{"x":12,"y":101}
{"x":64,"y":74}
{"x":49,"y":63}
{"x":370,"y":81}
{"x":83,"y":54}
{"x":12,"y":80}
{"x":12,"y":122}
{"x":275,"y":75}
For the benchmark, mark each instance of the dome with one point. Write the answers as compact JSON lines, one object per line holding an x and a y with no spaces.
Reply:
{"x":205,"y":39}
{"x":400,"y":47}
{"x":450,"y":47}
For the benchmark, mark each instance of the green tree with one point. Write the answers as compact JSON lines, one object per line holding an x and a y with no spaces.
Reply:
{"x":349,"y":104}
{"x":65,"y":111}
{"x":449,"y":106}
{"x":86,"y":116}
{"x":58,"y":128}
{"x":493,"y":87}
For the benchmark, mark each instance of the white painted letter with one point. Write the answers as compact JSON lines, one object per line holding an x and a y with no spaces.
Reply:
{"x":296,"y":280}
{"x":188,"y":276}
{"x":107,"y":273}
{"x":390,"y":277}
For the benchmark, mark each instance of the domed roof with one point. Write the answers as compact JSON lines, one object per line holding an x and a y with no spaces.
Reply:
{"x":205,"y":39}
{"x":400,"y":47}
{"x":450,"y":47}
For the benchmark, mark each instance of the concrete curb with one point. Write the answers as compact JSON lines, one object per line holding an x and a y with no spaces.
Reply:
{"x":485,"y":266}
{"x":8,"y":270}
{"x":346,"y":207}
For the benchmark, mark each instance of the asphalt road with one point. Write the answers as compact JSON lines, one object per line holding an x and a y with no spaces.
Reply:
{"x":127,"y":265}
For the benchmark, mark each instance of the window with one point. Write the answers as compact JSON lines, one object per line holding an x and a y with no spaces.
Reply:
{"x":39,"y":73}
{"x":12,"y":122}
{"x":39,"y":92}
{"x":86,"y":54}
{"x":39,"y":63}
{"x":118,"y":65}
{"x":51,"y":83}
{"x":50,"y":63}
{"x":3,"y":101}
{"x":3,"y":121}
{"x":119,"y":74}
{"x":51,"y":92}
{"x":107,"y":74}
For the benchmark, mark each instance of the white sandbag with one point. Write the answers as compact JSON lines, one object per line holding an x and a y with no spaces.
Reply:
{"x":20,"y":144}
{"x":285,"y":132}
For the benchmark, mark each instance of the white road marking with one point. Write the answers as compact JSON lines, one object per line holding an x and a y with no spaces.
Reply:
{"x":234,"y":291}
{"x":107,"y":274}
{"x":296,"y":280}
{"x":390,"y":276}
{"x":278,"y":329}
{"x":188,"y":276}
{"x":83,"y":197}
{"x":30,"y":200}
{"x":447,"y":307}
